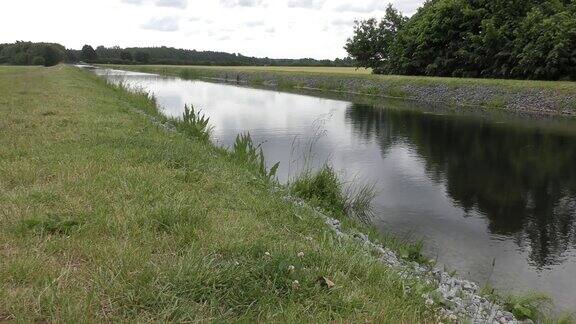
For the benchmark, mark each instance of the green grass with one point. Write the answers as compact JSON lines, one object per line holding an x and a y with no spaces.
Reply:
{"x":292,"y":69}
{"x":105,"y":216}
{"x":323,"y":189}
{"x":534,"y":306}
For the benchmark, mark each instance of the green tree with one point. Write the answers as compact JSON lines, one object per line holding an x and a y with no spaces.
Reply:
{"x":38,"y":60}
{"x":53,"y":54}
{"x":88,"y":54}
{"x":126,"y":55}
{"x":546,"y":45}
{"x":20,"y":58}
{"x":527,"y":39}
{"x":71,"y":56}
{"x":373,"y":41}
{"x":142,"y":57}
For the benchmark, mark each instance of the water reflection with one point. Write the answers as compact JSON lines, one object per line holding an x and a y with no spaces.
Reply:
{"x":522,"y":180}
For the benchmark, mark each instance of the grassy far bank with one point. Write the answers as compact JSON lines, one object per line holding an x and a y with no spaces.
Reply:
{"x":395,"y":80}
{"x":105,"y":216}
{"x":293,"y":69}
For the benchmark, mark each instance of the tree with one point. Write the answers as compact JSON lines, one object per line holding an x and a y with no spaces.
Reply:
{"x":88,"y":54}
{"x":142,"y":57}
{"x":20,"y":58}
{"x":38,"y":60}
{"x":71,"y":56}
{"x":546,"y":45}
{"x":373,"y":42}
{"x":527,"y":39}
{"x":53,"y":55}
{"x":126,"y":55}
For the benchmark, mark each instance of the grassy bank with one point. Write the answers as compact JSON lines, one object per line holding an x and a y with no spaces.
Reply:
{"x":361,"y":73}
{"x":290,"y":69}
{"x":108,"y":217}
{"x":548,"y":97}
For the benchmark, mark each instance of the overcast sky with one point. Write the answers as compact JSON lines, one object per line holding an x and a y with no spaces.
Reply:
{"x":273,"y":28}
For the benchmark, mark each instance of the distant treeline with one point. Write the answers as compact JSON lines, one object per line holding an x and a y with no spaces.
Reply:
{"x":175,"y":56}
{"x":28,"y":53}
{"x":523,"y":39}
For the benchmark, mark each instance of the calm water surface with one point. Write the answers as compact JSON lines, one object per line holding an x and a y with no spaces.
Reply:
{"x":492,"y":196}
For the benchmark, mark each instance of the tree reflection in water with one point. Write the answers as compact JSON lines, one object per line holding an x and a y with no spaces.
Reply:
{"x":522,"y":179}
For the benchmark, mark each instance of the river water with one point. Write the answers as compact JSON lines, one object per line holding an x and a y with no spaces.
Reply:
{"x":491,"y":195}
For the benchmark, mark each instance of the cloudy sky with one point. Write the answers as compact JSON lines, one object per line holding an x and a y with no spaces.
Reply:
{"x":273,"y":28}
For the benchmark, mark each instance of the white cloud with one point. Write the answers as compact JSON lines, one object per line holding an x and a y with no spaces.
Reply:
{"x":254,"y":23}
{"x":166,"y":24}
{"x":363,"y":7}
{"x":310,"y":4}
{"x":343,"y":22}
{"x":374,"y":6}
{"x":182,"y":4}
{"x":241,"y":3}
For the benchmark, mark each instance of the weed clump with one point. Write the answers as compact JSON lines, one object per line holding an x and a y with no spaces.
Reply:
{"x":252,"y":156}
{"x":325,"y":190}
{"x":194,"y":124}
{"x":322,"y":189}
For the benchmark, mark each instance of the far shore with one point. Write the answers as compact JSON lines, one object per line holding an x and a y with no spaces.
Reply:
{"x":522,"y":96}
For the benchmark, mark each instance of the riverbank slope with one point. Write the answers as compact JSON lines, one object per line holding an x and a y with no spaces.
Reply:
{"x":108,"y":217}
{"x":540,"y":97}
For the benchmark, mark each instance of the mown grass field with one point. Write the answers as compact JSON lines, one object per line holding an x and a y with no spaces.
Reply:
{"x":106,"y":217}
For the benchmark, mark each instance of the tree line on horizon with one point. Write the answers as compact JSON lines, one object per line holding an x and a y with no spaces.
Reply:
{"x":48,"y":54}
{"x":520,"y":39}
{"x":176,"y":56}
